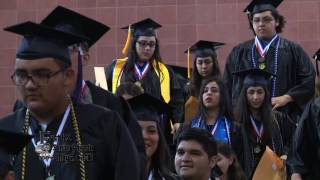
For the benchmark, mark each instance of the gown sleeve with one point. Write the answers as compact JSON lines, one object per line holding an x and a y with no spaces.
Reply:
{"x":122,"y":149}
{"x":304,"y":88}
{"x":303,"y":158}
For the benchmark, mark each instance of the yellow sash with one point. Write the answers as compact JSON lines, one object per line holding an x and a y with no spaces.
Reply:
{"x":164,"y":80}
{"x":117,"y":72}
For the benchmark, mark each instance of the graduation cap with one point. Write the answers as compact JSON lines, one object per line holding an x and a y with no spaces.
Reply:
{"x":145,"y":27}
{"x":180,"y":71}
{"x":11,"y":143}
{"x":254,"y":77}
{"x":66,"y":20}
{"x":316,"y":56}
{"x":257,"y":6}
{"x":149,"y":108}
{"x":202,"y":48}
{"x":40,"y":42}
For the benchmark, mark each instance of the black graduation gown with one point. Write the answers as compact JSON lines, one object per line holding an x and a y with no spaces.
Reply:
{"x":295,"y":73}
{"x":151,"y":85}
{"x":248,"y":159}
{"x":101,"y":128}
{"x":305,"y":155}
{"x":106,"y":99}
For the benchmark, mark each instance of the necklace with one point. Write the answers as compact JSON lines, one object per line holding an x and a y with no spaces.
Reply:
{"x":262,"y":66}
{"x":78,"y":139}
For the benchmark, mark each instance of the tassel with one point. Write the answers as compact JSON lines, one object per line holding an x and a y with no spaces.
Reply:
{"x":126,"y":46}
{"x":189,"y":73}
{"x":78,"y":88}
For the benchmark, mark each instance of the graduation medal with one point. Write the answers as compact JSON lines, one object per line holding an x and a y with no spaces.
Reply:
{"x":262,"y":66}
{"x":257,"y":149}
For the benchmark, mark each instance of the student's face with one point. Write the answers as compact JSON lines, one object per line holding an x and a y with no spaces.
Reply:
{"x":150,"y":137}
{"x":192,"y":162}
{"x":211,"y":95}
{"x":255,"y":96}
{"x":224,"y":162}
{"x":204,"y":66}
{"x":45,"y":91}
{"x":145,"y":47}
{"x":264,"y":25}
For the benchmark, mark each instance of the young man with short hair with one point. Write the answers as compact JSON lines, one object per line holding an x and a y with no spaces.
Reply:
{"x":196,"y":154}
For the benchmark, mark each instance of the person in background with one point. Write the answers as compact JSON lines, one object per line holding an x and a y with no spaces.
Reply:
{"x":262,"y":126}
{"x":196,"y":154}
{"x":215,"y":114}
{"x":149,"y":111}
{"x":294,"y":84}
{"x":144,"y":66}
{"x":305,"y":157}
{"x":205,"y":64}
{"x":228,"y":164}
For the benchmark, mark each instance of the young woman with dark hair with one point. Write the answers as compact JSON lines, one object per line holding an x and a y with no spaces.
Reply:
{"x":144,"y":66}
{"x":148,"y":111}
{"x":228,"y":164}
{"x":205,"y":65}
{"x":216,"y":116}
{"x":263,"y":127}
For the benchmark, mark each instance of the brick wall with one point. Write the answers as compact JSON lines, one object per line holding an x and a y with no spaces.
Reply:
{"x":184,"y":22}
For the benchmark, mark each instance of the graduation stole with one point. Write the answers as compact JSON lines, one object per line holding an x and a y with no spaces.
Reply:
{"x":77,"y":135}
{"x":202,"y":124}
{"x":163,"y":73}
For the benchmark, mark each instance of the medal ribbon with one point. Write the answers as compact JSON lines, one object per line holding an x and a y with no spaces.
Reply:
{"x":140,"y":74}
{"x":200,"y":122}
{"x":47,"y":162}
{"x":258,"y":131}
{"x":263,"y":51}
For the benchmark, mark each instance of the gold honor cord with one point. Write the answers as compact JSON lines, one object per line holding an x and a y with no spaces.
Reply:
{"x":78,"y":139}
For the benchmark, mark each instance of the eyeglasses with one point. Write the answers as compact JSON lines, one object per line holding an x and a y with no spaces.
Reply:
{"x":40,"y":78}
{"x":144,"y":44}
{"x":264,"y":20}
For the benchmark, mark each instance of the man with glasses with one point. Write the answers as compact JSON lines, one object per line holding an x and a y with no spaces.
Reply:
{"x":293,"y":86}
{"x":70,"y":141}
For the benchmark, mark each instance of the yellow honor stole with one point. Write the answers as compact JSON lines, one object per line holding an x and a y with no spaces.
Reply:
{"x":164,"y":74}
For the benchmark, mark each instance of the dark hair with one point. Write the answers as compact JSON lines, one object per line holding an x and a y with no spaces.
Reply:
{"x":202,"y":136}
{"x":277,"y":16}
{"x":224,"y":103}
{"x":196,"y":78}
{"x":129,"y":88}
{"x":161,"y":159}
{"x":242,"y":112}
{"x":133,"y":55}
{"x":235,"y":171}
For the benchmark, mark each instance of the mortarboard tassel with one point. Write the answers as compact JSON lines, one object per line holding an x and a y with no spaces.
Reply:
{"x":189,"y":73}
{"x":78,"y":88}
{"x":126,"y":46}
